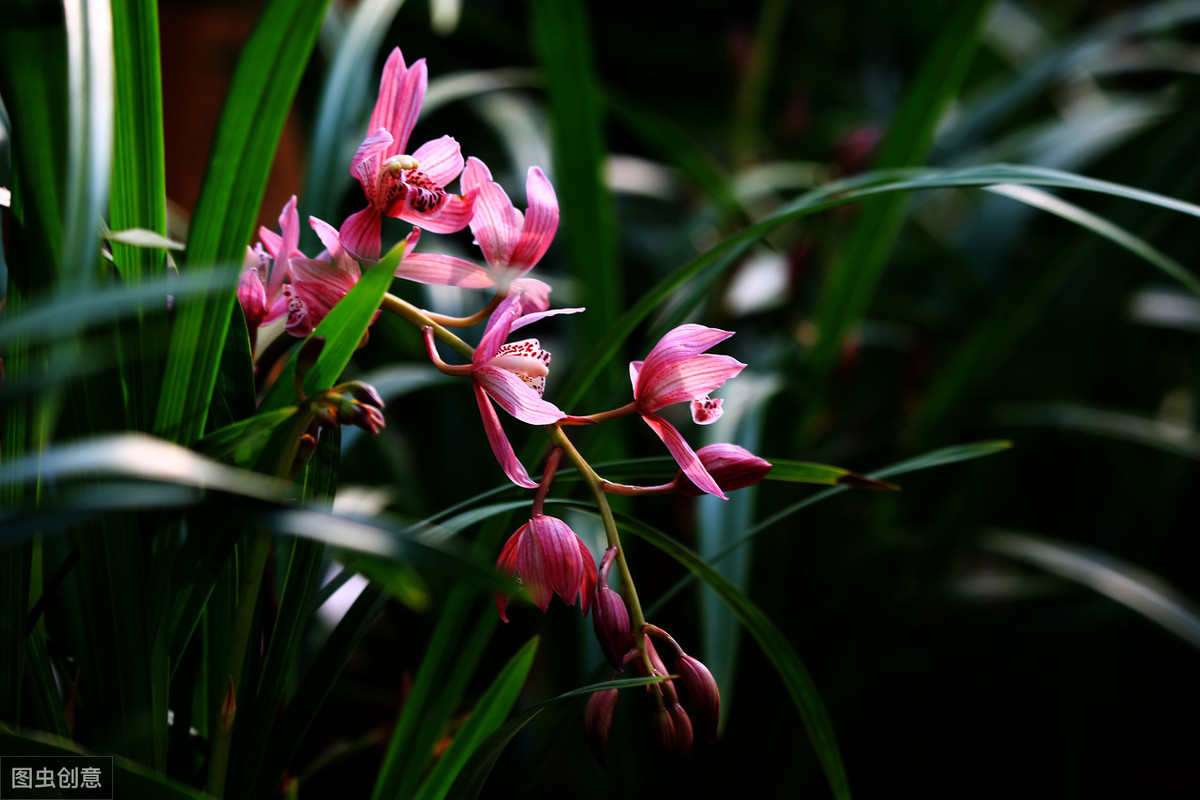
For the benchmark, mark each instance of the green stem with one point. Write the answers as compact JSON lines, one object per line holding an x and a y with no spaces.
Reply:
{"x":420,"y":319}
{"x":637,"y":617}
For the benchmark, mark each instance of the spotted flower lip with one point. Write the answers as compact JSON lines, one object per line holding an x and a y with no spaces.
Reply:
{"x":678,"y":370}
{"x":549,"y":558}
{"x":397,"y":184}
{"x":511,"y":242}
{"x":513,"y":374}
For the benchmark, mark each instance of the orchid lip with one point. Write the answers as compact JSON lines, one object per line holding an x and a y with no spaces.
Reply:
{"x":521,"y":365}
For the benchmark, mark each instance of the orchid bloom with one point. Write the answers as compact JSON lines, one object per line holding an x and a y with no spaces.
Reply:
{"x":317,"y":284}
{"x":676,"y":370}
{"x":514,"y":375}
{"x":410,"y":187}
{"x":512,"y":242}
{"x":550,"y":559}
{"x":265,"y":268}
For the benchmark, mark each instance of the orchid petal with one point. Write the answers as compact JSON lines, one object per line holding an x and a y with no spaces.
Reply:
{"x":527,"y":319}
{"x":329,"y":237}
{"x":440,"y":159}
{"x":475,"y":174}
{"x":534,"y":294}
{"x":252,"y":297}
{"x":360,"y":234}
{"x":541,"y":222}
{"x":501,"y":447}
{"x":401,"y":91}
{"x":507,"y":565}
{"x":587,"y":587}
{"x":549,"y":562}
{"x":495,"y":333}
{"x":368,"y":161}
{"x":443,"y":270}
{"x":686,"y":379}
{"x":516,"y":397}
{"x":496,"y":224}
{"x":451,"y":216}
{"x":683,"y":454}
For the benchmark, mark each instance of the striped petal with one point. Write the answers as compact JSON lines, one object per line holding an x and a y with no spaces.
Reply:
{"x":683,"y":454}
{"x":540,"y":224}
{"x":440,"y":159}
{"x":683,"y":380}
{"x":401,"y":91}
{"x":443,"y":270}
{"x":516,"y":397}
{"x":360,"y":234}
{"x":501,"y":447}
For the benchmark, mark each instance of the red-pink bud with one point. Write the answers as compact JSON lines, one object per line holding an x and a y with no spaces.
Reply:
{"x":682,"y":745}
{"x":705,"y":695}
{"x":664,"y":730}
{"x":732,"y":467}
{"x":610,"y":619}
{"x":597,"y":719}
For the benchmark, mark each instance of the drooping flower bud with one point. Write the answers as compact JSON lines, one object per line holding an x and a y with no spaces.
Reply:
{"x":732,"y":467}
{"x":611,"y":622}
{"x":610,"y":618}
{"x":681,"y":746}
{"x":597,"y":720}
{"x":664,"y":729}
{"x":705,"y":695}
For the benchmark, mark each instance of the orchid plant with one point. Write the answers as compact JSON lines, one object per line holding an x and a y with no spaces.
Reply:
{"x":545,"y":556}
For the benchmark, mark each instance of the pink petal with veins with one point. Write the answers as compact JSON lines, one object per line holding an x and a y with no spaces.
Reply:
{"x":453,"y":215}
{"x":401,"y":91}
{"x":443,"y":270}
{"x":368,"y":160}
{"x":441,"y":160}
{"x":540,"y":223}
{"x":501,"y":447}
{"x":668,"y":382}
{"x":496,"y":224}
{"x":360,"y":234}
{"x":475,"y":175}
{"x":683,"y":454}
{"x":516,"y":396}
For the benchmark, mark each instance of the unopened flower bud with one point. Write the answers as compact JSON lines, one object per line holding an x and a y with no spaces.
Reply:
{"x":664,"y":730}
{"x":597,"y":719}
{"x":610,"y":619}
{"x":703,"y":691}
{"x":732,"y":467}
{"x":681,"y":747}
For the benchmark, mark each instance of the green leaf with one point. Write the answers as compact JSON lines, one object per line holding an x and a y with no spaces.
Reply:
{"x":774,"y":645}
{"x":264,"y":84}
{"x":832,"y":195}
{"x":89,"y":153}
{"x":343,"y":105}
{"x":132,"y":780}
{"x":808,"y":472}
{"x":1037,"y":198}
{"x":561,"y":40}
{"x":343,"y":329}
{"x":1130,"y":585}
{"x":475,"y":772}
{"x":491,"y":710}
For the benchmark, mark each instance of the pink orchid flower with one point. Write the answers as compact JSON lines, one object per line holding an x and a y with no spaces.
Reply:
{"x":410,"y":187}
{"x":267,"y":265}
{"x":676,"y":370}
{"x":513,"y":374}
{"x":550,"y":559}
{"x":317,"y":284}
{"x":512,"y":242}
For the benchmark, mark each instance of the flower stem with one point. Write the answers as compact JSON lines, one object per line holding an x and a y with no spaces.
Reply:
{"x":420,"y":319}
{"x":637,"y":617}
